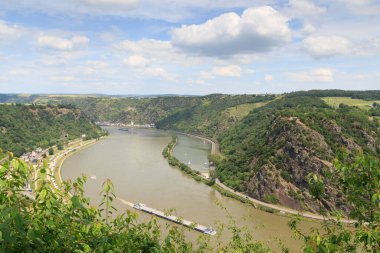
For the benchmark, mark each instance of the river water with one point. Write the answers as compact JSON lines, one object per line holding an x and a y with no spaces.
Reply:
{"x":132,"y":159}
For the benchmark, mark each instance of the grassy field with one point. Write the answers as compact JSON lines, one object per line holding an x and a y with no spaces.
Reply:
{"x":363,"y":104}
{"x":240,"y":111}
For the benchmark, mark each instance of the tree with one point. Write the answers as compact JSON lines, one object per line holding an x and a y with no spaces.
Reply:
{"x":60,"y":146}
{"x":51,"y":151}
{"x":360,"y":181}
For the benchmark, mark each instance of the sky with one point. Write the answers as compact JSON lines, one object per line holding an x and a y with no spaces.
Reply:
{"x":188,"y":47}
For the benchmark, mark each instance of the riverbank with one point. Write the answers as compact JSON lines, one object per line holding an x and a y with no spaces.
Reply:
{"x":228,"y":192}
{"x":214,"y":144}
{"x":55,"y":162}
{"x":69,"y":152}
{"x":167,"y":153}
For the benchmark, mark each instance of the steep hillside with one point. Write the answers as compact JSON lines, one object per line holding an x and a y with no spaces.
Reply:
{"x":213,"y":114}
{"x":124,"y":110}
{"x":25,"y":127}
{"x":271,"y":153}
{"x":166,"y":111}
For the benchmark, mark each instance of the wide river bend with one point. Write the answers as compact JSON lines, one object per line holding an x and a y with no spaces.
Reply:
{"x":132,"y":159}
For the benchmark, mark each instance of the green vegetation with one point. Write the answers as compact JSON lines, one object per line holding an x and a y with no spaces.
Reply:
{"x":26,"y":127}
{"x":362,"y":104}
{"x":271,"y":151}
{"x":212,"y":114}
{"x":297,"y":150}
{"x":57,"y":221}
{"x":360,"y":180}
{"x":197,"y":114}
{"x":167,"y":153}
{"x":365,"y":94}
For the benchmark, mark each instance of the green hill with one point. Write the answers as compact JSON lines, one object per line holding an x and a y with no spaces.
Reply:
{"x":25,"y":127}
{"x":213,"y":114}
{"x":271,"y":153}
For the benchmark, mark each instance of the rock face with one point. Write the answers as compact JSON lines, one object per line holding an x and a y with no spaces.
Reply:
{"x":274,"y":151}
{"x":302,"y":151}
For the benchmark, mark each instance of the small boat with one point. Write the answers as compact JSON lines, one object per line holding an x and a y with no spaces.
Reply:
{"x":93,"y":177}
{"x":188,"y":163}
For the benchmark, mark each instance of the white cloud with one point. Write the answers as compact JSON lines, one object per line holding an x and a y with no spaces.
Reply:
{"x":57,"y":43}
{"x":9,"y":31}
{"x":136,"y":61}
{"x":19,"y":72}
{"x":360,"y":76}
{"x":256,"y":30}
{"x":268,"y":78}
{"x":363,"y":7}
{"x":156,"y":51}
{"x":227,"y":71}
{"x":168,"y":10}
{"x":316,"y":75}
{"x":304,"y":8}
{"x":158,"y":72}
{"x":308,"y":28}
{"x":95,"y":66}
{"x":326,"y":46}
{"x":61,"y":78}
{"x":113,"y":3}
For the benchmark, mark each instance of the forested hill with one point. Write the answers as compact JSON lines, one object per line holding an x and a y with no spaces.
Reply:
{"x":273,"y":151}
{"x":166,"y":111}
{"x":25,"y":127}
{"x":213,"y":114}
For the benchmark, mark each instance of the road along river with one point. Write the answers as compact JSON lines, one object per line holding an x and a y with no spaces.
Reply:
{"x":132,"y":159}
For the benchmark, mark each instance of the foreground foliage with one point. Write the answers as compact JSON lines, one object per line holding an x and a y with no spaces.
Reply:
{"x":360,"y":180}
{"x":57,"y":221}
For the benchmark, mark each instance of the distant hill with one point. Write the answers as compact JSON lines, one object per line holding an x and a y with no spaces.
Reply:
{"x":25,"y":127}
{"x":213,"y":114}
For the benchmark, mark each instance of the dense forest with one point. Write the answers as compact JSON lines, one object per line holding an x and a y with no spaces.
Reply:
{"x":26,"y":127}
{"x":365,"y":94}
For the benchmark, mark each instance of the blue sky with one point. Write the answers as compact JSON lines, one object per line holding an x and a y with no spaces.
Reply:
{"x":188,"y":47}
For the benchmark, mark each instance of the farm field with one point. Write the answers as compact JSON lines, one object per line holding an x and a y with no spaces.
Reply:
{"x":363,"y":104}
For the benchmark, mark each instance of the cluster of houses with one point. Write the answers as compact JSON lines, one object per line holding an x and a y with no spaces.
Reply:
{"x":34,"y":156}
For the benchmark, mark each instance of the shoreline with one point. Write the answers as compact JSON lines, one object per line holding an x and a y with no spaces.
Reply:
{"x":256,"y":203}
{"x":217,"y":185}
{"x":215,"y":149}
{"x":56,"y":170}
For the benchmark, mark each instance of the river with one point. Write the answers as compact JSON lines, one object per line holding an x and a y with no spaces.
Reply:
{"x":132,"y":159}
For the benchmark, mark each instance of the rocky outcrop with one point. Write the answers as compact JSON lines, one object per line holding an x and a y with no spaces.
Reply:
{"x":300,"y":152}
